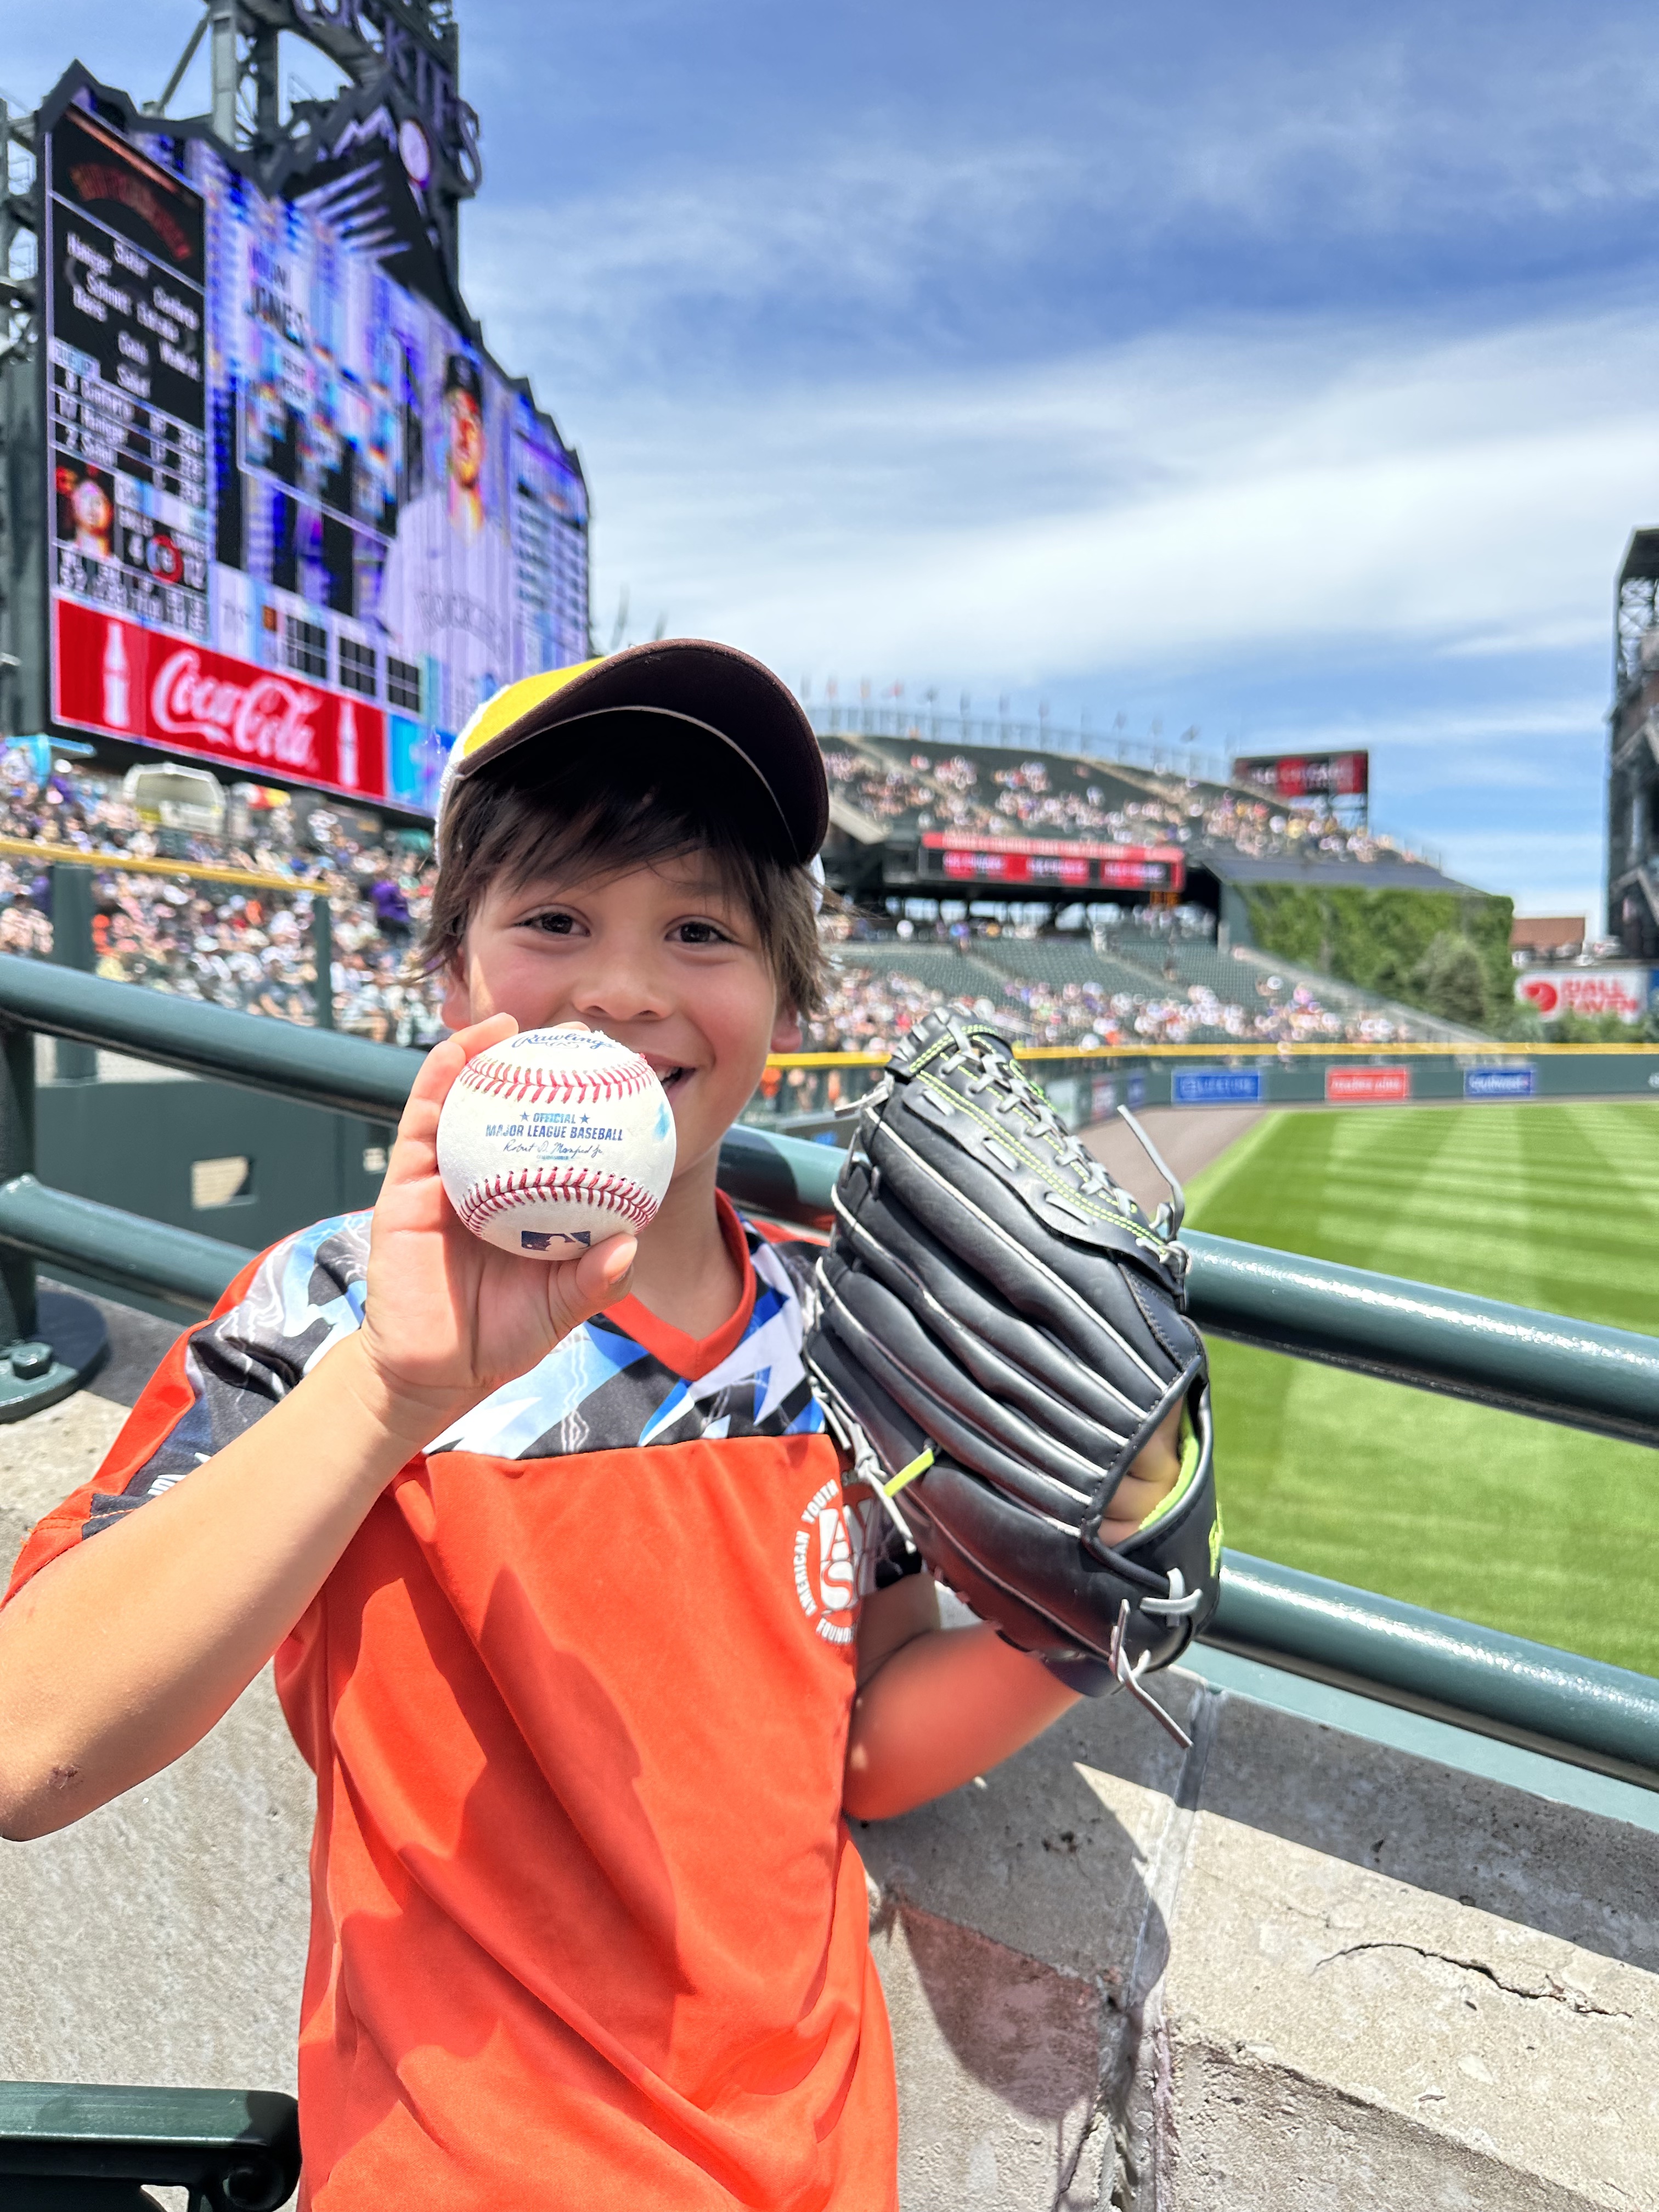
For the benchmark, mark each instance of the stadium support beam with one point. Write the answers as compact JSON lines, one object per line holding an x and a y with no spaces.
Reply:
{"x":221,"y":18}
{"x":161,"y":106}
{"x":22,"y":553}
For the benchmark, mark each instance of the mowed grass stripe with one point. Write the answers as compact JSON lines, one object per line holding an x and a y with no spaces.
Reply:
{"x":1517,"y":1523}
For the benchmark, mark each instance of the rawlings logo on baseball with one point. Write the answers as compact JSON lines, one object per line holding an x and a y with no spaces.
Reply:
{"x":555,"y":1139}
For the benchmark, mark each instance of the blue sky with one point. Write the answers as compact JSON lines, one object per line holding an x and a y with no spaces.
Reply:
{"x":1285,"y":370}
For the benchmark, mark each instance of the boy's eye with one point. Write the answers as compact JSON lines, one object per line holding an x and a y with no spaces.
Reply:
{"x":554,"y":925}
{"x":701,"y":933}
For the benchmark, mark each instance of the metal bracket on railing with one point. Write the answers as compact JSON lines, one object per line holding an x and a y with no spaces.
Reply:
{"x":51,"y":1341}
{"x":94,"y":2147}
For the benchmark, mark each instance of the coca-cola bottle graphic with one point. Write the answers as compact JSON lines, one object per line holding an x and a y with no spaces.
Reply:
{"x":346,"y":754}
{"x":118,"y":681}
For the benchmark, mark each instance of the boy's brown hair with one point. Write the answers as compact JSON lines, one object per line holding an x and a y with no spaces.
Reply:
{"x":621,"y":792}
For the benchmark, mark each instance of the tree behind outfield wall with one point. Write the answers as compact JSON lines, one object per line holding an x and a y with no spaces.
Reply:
{"x":1383,"y":941}
{"x":1450,"y":980}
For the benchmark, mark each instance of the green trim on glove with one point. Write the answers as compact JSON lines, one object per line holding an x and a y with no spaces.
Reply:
{"x":918,"y":1465}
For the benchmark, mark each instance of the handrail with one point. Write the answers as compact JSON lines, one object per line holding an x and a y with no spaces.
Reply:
{"x":179,"y":1267}
{"x":315,"y":1066}
{"x":1574,"y":1372}
{"x":227,"y":2147}
{"x":1556,"y":1702}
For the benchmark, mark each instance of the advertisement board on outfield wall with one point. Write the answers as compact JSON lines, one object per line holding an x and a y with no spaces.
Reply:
{"x":1216,"y":1086}
{"x":1499,"y":1082}
{"x":300,"y":523}
{"x":1367,"y":1086}
{"x":1551,"y":992}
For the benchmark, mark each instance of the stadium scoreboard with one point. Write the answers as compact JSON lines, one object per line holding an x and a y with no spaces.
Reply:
{"x":301,"y":523}
{"x":1307,"y":775}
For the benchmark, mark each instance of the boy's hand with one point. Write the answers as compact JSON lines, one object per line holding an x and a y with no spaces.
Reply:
{"x":1152,"y":1474}
{"x":450,"y":1318}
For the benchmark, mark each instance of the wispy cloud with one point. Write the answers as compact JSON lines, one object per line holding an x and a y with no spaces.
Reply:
{"x":1226,"y":491}
{"x":1060,"y":187}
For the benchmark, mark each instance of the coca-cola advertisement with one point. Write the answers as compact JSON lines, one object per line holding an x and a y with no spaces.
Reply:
{"x":118,"y":680}
{"x":278,"y":450}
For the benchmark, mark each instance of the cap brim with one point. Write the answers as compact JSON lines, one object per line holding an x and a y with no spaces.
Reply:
{"x":733,"y":700}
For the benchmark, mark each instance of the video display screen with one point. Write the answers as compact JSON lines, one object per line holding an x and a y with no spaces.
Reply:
{"x":1307,"y":775}
{"x":1069,"y":863}
{"x":302,"y":526}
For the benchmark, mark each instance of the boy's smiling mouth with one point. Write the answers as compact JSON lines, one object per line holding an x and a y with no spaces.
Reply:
{"x":668,"y":1072}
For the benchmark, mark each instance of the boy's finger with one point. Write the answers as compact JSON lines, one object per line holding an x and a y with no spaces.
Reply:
{"x":439,"y":1070}
{"x":597,"y":1279}
{"x":418,"y":1126}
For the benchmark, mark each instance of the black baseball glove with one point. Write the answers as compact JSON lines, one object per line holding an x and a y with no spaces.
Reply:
{"x":999,"y":1330}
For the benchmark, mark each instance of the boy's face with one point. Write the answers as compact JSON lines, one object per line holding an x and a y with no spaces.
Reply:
{"x":664,"y":959}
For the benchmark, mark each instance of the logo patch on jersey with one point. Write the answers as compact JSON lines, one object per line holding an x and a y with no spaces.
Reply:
{"x":836,"y":1548}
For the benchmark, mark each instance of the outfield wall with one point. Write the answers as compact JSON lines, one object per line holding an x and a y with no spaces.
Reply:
{"x":1087,"y":1087}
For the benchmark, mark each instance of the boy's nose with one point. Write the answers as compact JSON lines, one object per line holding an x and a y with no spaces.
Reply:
{"x":618,"y":989}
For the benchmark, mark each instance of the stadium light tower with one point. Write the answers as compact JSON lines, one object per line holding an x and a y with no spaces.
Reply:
{"x":1633,"y":753}
{"x":402,"y":58}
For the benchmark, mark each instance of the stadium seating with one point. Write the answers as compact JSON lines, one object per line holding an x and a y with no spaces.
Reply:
{"x":939,"y":966}
{"x":908,"y":785}
{"x":1059,"y":991}
{"x":251,"y":947}
{"x":1060,"y":961}
{"x":246,"y":947}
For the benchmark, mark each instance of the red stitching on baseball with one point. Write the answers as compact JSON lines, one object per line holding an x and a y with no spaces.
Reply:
{"x":609,"y":1194}
{"x":559,"y":1086}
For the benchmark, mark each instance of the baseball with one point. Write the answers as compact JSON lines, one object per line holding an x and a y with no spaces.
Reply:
{"x":555,"y":1139}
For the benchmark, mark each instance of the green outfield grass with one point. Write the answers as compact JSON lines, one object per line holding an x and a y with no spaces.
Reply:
{"x":1520,"y":1524}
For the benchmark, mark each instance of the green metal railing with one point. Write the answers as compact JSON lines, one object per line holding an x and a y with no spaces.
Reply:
{"x":1604,"y":1380}
{"x":74,"y":2146}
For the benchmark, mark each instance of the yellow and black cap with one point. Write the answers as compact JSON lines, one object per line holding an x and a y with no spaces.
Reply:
{"x":730,"y":700}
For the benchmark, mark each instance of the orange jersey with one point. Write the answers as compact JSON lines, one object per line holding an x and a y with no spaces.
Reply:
{"x":587,"y":1928}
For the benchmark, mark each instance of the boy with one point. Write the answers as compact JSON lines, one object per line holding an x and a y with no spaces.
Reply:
{"x":573,"y":1616}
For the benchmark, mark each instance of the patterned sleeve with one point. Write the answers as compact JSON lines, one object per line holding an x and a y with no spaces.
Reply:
{"x":278,"y":1319}
{"x":896,"y":1555}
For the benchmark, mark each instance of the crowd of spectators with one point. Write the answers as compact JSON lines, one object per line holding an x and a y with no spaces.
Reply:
{"x":899,"y":784}
{"x":251,"y":948}
{"x":254,"y":947}
{"x":871,"y":1005}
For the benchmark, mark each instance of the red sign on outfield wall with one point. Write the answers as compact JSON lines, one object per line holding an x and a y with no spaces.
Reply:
{"x":1367,"y":1086}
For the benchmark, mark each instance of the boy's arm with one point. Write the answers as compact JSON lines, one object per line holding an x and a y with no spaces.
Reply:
{"x":940,"y":1704}
{"x":936,"y":1707}
{"x":122,"y":1653}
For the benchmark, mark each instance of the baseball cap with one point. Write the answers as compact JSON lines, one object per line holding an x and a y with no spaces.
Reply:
{"x":732,"y":699}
